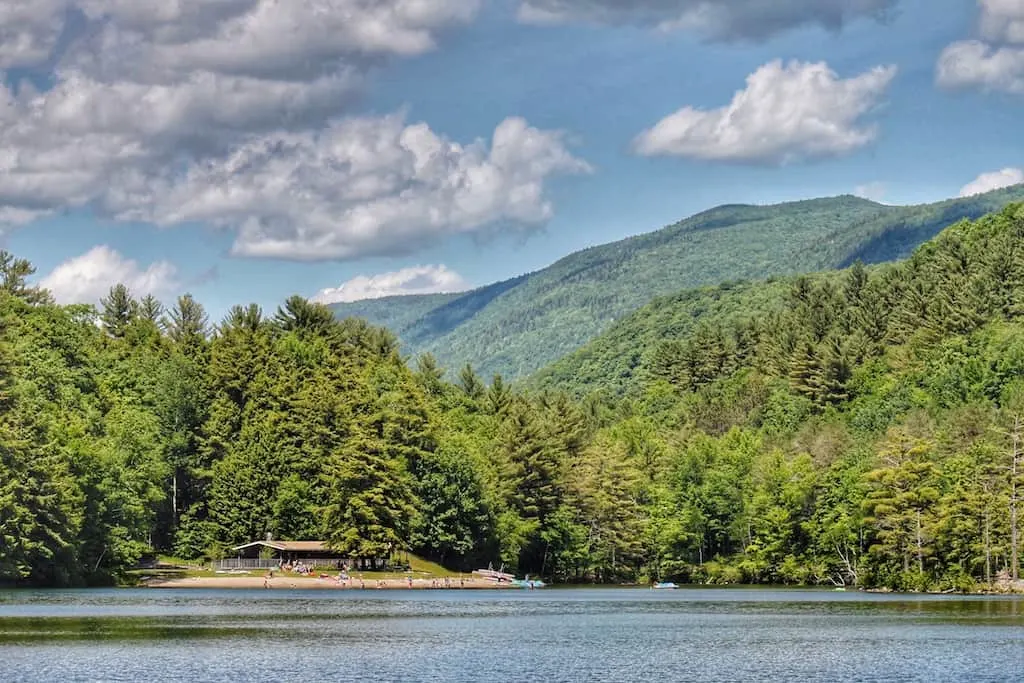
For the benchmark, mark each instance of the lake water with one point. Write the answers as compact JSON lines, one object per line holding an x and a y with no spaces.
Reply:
{"x":544,"y":635}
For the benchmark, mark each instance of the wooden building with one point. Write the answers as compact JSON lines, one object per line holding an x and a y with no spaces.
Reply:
{"x":272,"y":553}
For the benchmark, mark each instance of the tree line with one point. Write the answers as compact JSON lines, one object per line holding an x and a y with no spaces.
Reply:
{"x":867,"y":431}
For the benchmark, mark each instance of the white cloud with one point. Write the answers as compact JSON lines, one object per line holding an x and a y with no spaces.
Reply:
{"x":29,"y":30}
{"x":360,"y":187}
{"x":88,"y":278}
{"x":974,"y":64}
{"x":875,"y":191}
{"x":995,"y":62}
{"x":986,"y":182}
{"x":1002,"y":20}
{"x":414,"y":280}
{"x":788,"y":112}
{"x":717,"y":19}
{"x":152,"y":94}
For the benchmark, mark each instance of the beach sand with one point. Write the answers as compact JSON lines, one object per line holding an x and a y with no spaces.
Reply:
{"x":306,"y":583}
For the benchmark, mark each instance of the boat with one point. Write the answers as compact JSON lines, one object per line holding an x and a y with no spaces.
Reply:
{"x":500,"y":576}
{"x":664,"y":585}
{"x":497,"y":576}
{"x":528,"y":583}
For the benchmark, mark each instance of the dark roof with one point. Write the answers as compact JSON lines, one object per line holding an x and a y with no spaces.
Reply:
{"x":289,"y":546}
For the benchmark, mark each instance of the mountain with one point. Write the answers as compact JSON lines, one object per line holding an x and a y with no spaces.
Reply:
{"x":618,"y":362}
{"x":520,"y":325}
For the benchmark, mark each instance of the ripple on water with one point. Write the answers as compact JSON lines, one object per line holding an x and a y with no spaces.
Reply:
{"x":549,"y":635}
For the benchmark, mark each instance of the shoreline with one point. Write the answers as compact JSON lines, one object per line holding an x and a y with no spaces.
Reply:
{"x":307,"y":583}
{"x":297,"y":583}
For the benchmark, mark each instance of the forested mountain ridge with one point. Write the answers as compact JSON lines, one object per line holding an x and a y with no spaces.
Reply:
{"x":867,"y":431}
{"x":518,"y":326}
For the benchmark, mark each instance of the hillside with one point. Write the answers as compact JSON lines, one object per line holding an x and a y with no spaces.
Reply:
{"x":852,"y":427}
{"x":618,"y":362}
{"x":518,"y":326}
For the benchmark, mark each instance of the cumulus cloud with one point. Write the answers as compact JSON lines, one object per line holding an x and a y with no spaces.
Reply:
{"x":360,"y":187}
{"x":716,"y":19}
{"x":87,"y":278}
{"x":975,"y":64}
{"x":787,"y":112}
{"x":414,"y":280}
{"x":1002,"y":20}
{"x":986,"y":182}
{"x":161,"y":95}
{"x":995,"y":60}
{"x":29,"y":30}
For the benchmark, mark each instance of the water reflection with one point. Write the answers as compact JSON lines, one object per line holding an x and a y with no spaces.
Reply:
{"x":705,"y":635}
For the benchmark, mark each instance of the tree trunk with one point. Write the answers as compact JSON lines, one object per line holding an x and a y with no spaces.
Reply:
{"x":1014,"y":538}
{"x":174,"y":499}
{"x":920,"y":556}
{"x":988,"y":547}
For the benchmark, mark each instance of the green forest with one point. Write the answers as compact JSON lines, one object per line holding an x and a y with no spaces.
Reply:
{"x":860,"y":427}
{"x":519,"y":326}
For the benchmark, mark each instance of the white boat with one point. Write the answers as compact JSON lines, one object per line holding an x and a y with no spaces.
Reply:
{"x":664,"y":585}
{"x":494,"y":575}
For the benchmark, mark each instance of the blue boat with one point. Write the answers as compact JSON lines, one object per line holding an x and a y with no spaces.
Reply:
{"x":528,"y":583}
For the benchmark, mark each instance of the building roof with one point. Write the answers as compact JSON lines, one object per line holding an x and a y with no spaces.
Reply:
{"x":289,"y":546}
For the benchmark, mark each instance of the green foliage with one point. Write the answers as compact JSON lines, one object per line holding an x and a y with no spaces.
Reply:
{"x":519,"y":326}
{"x":858,"y":427}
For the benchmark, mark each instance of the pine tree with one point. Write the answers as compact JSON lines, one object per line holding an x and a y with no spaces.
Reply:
{"x":152,"y":310}
{"x":300,"y":314}
{"x":498,"y":396}
{"x":14,"y":275}
{"x":119,"y":309}
{"x":371,"y":504}
{"x":470,"y":383}
{"x":429,"y":374}
{"x":900,"y":509}
{"x":187,"y":324}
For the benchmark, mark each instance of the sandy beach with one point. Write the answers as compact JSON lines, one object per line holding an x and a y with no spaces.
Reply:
{"x":304,"y":583}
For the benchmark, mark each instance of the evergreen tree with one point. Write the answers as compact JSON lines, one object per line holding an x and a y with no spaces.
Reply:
{"x":119,"y":309}
{"x":187,"y":324}
{"x":371,"y":505}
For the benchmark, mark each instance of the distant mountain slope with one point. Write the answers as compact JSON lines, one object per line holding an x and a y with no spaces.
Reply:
{"x":518,"y":326}
{"x":616,"y":361}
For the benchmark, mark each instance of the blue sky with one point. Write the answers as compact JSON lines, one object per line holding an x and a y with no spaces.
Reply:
{"x":246,"y":152}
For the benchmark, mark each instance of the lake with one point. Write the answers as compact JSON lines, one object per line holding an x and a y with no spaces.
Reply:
{"x":543,"y":635}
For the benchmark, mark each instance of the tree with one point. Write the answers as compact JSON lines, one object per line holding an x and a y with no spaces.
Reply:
{"x":1015,"y":469}
{"x":603,"y":491}
{"x":40,"y":501}
{"x":900,"y":509}
{"x":187,"y":324}
{"x":454,"y":521}
{"x":531,"y":462}
{"x":151,"y":309}
{"x":118,"y":310}
{"x":470,"y":383}
{"x":14,"y":275}
{"x":299,"y":313}
{"x":429,"y":374}
{"x":370,"y":501}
